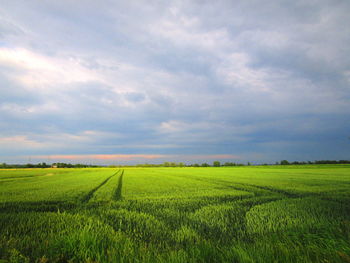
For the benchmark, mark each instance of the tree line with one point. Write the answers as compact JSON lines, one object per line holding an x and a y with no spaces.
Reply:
{"x":165,"y":164}
{"x":44,"y":165}
{"x":285,"y":162}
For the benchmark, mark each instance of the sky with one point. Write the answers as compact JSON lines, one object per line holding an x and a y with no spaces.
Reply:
{"x":110,"y":82}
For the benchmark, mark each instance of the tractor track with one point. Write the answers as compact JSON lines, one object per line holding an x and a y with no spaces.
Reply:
{"x":90,"y":194}
{"x":118,"y":191}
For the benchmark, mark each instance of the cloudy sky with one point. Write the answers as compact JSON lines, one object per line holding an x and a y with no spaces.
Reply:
{"x":153,"y":81}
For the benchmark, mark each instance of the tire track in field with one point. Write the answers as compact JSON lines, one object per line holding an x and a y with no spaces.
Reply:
{"x":218,"y":182}
{"x":118,"y":191}
{"x":24,"y":177}
{"x":241,"y":187}
{"x":36,"y":206}
{"x":275,"y":190}
{"x":91,"y":193}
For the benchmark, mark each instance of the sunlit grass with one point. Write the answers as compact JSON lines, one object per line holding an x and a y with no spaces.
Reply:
{"x":239,"y":214}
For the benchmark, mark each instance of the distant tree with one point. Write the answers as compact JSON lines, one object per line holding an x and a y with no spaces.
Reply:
{"x":229,"y":164}
{"x":205,"y":165}
{"x":216,"y":164}
{"x":196,"y":165}
{"x":284,"y":162}
{"x":248,"y":163}
{"x":181,"y":164}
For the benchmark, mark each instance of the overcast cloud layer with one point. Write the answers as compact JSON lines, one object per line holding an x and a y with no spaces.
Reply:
{"x":181,"y":80}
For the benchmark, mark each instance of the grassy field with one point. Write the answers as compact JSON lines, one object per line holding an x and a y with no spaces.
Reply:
{"x":237,"y":214}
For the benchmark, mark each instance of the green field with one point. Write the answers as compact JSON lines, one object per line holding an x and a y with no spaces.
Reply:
{"x":237,"y":214}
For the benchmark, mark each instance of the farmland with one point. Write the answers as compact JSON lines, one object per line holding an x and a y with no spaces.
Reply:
{"x":237,"y":214}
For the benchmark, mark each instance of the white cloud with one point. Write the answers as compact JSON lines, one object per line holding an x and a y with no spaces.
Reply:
{"x":40,"y":72}
{"x":235,"y":70}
